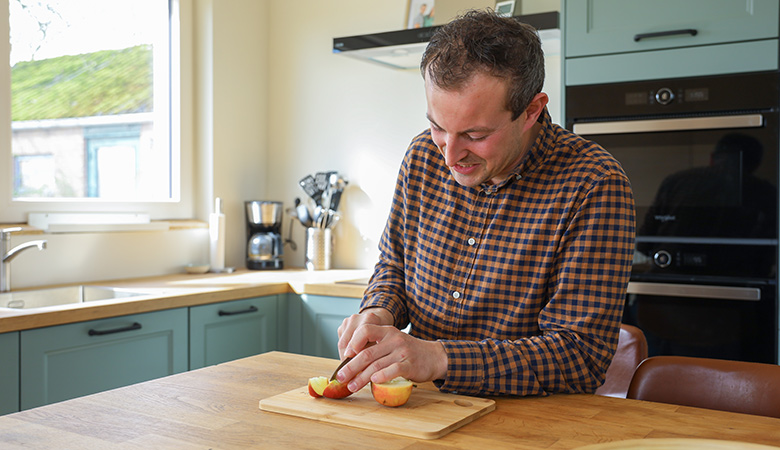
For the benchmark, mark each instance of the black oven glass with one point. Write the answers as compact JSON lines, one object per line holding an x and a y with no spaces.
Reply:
{"x":703,"y":165}
{"x":702,"y":157}
{"x":713,"y":183}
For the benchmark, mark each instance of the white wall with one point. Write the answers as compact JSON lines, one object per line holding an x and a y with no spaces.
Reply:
{"x":231,"y":85}
{"x":331,"y":112}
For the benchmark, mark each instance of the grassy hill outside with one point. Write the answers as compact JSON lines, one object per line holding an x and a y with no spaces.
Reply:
{"x":107,"y":82}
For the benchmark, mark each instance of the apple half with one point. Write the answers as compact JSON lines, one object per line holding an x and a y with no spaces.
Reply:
{"x":395,"y":392}
{"x":322,"y":387}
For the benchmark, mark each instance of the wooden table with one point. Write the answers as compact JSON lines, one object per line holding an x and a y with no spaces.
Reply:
{"x":217,"y":407}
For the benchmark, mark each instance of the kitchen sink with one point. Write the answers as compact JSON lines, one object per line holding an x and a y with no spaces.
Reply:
{"x":41,"y":298}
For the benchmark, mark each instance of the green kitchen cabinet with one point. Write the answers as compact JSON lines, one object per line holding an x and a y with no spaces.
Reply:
{"x":231,"y":330}
{"x":9,"y":372}
{"x":320,"y":320}
{"x":72,"y":360}
{"x":627,"y":40}
{"x":600,"y":27}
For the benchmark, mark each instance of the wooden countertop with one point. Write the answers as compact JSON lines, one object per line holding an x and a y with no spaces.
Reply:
{"x":217,"y":407}
{"x":182,"y":290}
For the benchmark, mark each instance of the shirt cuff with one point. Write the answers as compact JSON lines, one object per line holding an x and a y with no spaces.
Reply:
{"x":465,"y":367}
{"x":384,"y":302}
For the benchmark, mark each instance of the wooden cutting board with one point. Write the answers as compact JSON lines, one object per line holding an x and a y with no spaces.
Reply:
{"x":427,"y":415}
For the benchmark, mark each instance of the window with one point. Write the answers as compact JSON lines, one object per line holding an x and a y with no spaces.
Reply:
{"x":94,"y":119}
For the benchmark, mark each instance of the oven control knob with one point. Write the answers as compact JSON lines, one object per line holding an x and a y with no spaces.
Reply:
{"x":662,"y":258}
{"x":664,"y":96}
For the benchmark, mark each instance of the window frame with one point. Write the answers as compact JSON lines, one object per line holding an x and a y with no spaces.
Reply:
{"x":181,"y":204}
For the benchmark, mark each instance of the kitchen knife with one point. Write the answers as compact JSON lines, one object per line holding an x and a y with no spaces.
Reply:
{"x":342,"y":364}
{"x":345,"y":361}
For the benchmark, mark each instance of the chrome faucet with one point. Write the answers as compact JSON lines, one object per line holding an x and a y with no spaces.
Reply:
{"x":7,"y":255}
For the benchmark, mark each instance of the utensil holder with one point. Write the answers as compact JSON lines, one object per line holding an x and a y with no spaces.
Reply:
{"x":319,"y":248}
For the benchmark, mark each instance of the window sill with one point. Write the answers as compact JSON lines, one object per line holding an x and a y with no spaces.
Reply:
{"x":155,"y":225}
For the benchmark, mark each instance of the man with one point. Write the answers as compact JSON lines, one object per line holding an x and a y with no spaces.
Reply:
{"x":509,"y":241}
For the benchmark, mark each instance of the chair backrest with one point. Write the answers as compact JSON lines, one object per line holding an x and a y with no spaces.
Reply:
{"x":631,"y":350}
{"x":736,"y":386}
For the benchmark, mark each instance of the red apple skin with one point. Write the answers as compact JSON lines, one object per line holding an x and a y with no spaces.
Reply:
{"x":333,"y":389}
{"x":336,"y":390}
{"x":312,"y":393}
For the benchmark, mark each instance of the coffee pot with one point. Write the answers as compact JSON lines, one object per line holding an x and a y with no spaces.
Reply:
{"x":264,"y":237}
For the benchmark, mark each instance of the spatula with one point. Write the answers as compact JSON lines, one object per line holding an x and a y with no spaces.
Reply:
{"x":309,"y":186}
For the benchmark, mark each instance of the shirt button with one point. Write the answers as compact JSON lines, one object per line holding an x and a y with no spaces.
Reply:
{"x":472,"y":241}
{"x":456,"y":295}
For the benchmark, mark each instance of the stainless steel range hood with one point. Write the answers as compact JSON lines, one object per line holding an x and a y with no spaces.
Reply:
{"x":403,"y":49}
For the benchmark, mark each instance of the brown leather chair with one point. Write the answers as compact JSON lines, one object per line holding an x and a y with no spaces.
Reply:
{"x":631,"y":350}
{"x":736,"y":386}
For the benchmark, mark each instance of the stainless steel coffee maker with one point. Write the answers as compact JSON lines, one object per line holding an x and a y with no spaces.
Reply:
{"x":264,"y":235}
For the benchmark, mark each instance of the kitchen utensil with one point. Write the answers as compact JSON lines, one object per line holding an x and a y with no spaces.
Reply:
{"x":303,"y":213}
{"x":428,"y":414}
{"x":317,"y":216}
{"x":331,"y":219}
{"x":338,"y":183}
{"x":343,"y":363}
{"x":346,"y":360}
{"x":293,"y":215}
{"x":309,"y":186}
{"x":321,"y":180}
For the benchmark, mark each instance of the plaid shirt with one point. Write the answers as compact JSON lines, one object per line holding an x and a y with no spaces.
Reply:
{"x":523,"y":282}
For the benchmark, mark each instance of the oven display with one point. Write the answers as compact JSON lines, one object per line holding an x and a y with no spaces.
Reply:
{"x":697,"y":95}
{"x":694,"y":259}
{"x":637,"y":98}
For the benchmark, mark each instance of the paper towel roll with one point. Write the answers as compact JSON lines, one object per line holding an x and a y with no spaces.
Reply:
{"x":217,"y":237}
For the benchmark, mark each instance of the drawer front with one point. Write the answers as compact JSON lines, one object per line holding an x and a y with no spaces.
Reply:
{"x":599,"y":27}
{"x":9,"y":372}
{"x":226,"y":331}
{"x":68,"y":361}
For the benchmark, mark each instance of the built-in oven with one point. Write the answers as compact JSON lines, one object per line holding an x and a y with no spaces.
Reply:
{"x":702,"y":157}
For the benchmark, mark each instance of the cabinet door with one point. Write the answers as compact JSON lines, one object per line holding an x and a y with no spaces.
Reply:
{"x":9,"y":372}
{"x":67,"y":361}
{"x":226,"y":331}
{"x":321,"y":317}
{"x":598,"y":27}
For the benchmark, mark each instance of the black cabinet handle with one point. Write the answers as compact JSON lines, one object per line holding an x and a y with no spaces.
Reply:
{"x":639,"y":37}
{"x":134,"y":326}
{"x":251,"y":309}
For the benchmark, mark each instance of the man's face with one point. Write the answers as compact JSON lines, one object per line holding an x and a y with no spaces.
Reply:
{"x":475,"y":132}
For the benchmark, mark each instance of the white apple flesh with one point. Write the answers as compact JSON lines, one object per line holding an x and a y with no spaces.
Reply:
{"x":395,"y":392}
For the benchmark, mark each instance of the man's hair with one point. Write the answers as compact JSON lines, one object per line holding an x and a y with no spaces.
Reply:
{"x":480,"y":41}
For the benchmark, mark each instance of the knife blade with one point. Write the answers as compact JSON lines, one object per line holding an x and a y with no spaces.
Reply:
{"x":345,"y":361}
{"x":342,"y":364}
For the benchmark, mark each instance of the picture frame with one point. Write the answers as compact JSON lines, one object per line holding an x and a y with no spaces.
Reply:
{"x":420,"y":13}
{"x":505,"y":8}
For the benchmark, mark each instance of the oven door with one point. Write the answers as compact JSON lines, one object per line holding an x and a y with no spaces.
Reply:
{"x":736,"y":321}
{"x":711,"y":177}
